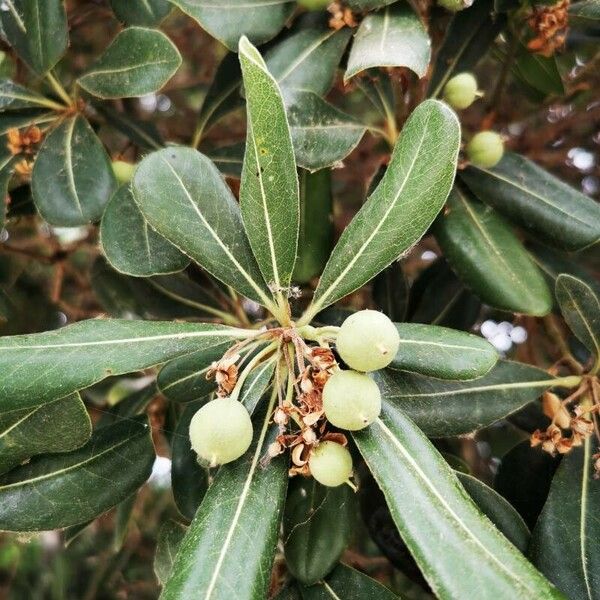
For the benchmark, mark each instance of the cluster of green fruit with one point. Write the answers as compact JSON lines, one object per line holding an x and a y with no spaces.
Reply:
{"x":486,"y":148}
{"x":221,"y":431}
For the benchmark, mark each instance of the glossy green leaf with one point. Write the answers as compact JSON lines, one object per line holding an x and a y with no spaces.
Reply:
{"x":470,"y":34}
{"x":587,"y":10}
{"x":138,"y":61}
{"x":392,"y":37}
{"x":538,"y":201}
{"x":322,"y":135}
{"x":349,"y":584}
{"x":130,"y":245}
{"x":565,"y":544}
{"x":189,"y":480}
{"x":402,"y":207}
{"x":228,"y":159}
{"x":72,"y":178}
{"x":25,"y":118}
{"x":442,"y":352}
{"x":317,"y":525}
{"x":580,"y":307}
{"x":16,"y":97}
{"x":7,"y":165}
{"x":223,"y":95}
{"x":308,"y":58}
{"x":38,"y":368}
{"x":37,"y":30}
{"x":316,"y":228}
{"x":143,"y":133}
{"x":123,"y":513}
{"x":538,"y":72}
{"x":497,"y":510}
{"x":228,"y":20}
{"x":432,"y":511}
{"x":231,"y":542}
{"x":141,"y":12}
{"x":391,"y":290}
{"x":489,"y":258}
{"x":439,"y":297}
{"x":257,"y":384}
{"x":444,"y":408}
{"x":367,"y":4}
{"x":167,"y":543}
{"x":60,"y":490}
{"x":183,"y":197}
{"x":58,"y":426}
{"x":269,"y":188}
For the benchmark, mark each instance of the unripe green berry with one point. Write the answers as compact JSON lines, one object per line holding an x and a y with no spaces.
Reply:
{"x":485,"y":149}
{"x":330,"y":464}
{"x":455,"y":5}
{"x":351,"y":400}
{"x":221,"y":431}
{"x":367,"y":341}
{"x":314,"y":4}
{"x":460,"y":91}
{"x":123,"y":171}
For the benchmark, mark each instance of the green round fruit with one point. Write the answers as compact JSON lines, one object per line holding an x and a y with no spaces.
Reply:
{"x":123,"y":171}
{"x":485,"y":149}
{"x":367,"y":341}
{"x":455,"y":5}
{"x":314,"y":4}
{"x":351,"y":400}
{"x":460,"y":91}
{"x":330,"y":464}
{"x":221,"y":431}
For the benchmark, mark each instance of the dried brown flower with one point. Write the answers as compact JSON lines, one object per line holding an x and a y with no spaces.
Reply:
{"x":341,"y":16}
{"x":550,"y":25}
{"x":225,"y":372}
{"x":22,"y":142}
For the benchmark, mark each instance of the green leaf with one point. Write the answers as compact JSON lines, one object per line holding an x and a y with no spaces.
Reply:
{"x":130,"y":245}
{"x":41,"y":367}
{"x":7,"y":165}
{"x":538,"y":72}
{"x":231,"y":542}
{"x":308,"y":58}
{"x":16,"y":97}
{"x":316,"y":228}
{"x":402,"y":207}
{"x":167,"y":543}
{"x":538,"y":201}
{"x":269,"y":188}
{"x":322,"y":134}
{"x":391,"y":291}
{"x":432,"y":510}
{"x":498,"y":510}
{"x":189,"y":480}
{"x":25,"y":118}
{"x":565,"y":544}
{"x":123,"y":514}
{"x":59,"y":426}
{"x":489,"y":258}
{"x":393,"y":37}
{"x":72,"y":178}
{"x":317,"y":525}
{"x":364,"y":5}
{"x":228,"y":20}
{"x":580,"y":307}
{"x":442,"y":352}
{"x":586,"y":10}
{"x":444,"y":408}
{"x":223,"y":95}
{"x":257,"y":384}
{"x":228,"y":159}
{"x":143,"y":133}
{"x":138,"y":61}
{"x":37,"y":30}
{"x":52,"y":492}
{"x":349,"y":584}
{"x":470,"y":34}
{"x":184,"y":198}
{"x":141,"y":12}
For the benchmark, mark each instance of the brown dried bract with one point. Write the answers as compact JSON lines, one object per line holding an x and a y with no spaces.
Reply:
{"x":225,"y":372}
{"x":23,"y":142}
{"x":341,"y":16}
{"x":550,"y":25}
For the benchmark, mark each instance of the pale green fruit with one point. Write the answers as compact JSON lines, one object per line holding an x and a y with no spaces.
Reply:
{"x":221,"y":431}
{"x":330,"y":464}
{"x":455,"y":5}
{"x":485,"y":149}
{"x":314,"y":4}
{"x":367,"y":341}
{"x":351,"y":400}
{"x":123,"y":171}
{"x":460,"y":91}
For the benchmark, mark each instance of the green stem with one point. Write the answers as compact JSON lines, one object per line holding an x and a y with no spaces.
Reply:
{"x":249,"y":367}
{"x":570,"y":381}
{"x":59,"y":89}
